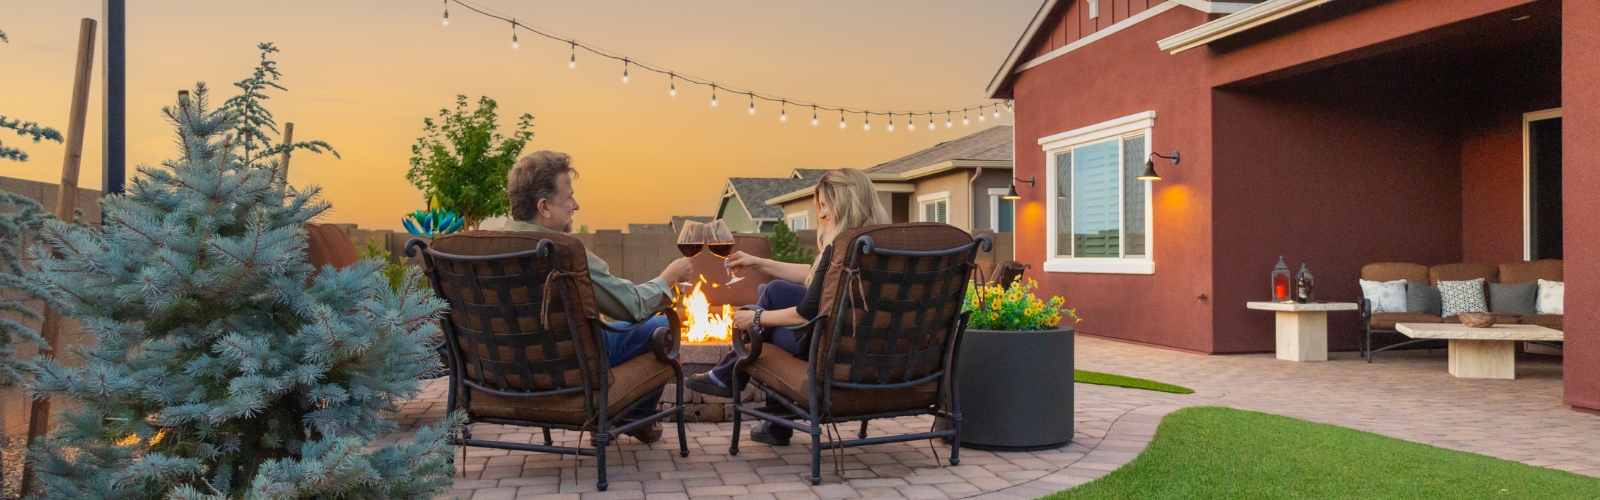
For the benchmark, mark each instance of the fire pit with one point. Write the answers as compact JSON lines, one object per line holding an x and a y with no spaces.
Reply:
{"x":705,"y":342}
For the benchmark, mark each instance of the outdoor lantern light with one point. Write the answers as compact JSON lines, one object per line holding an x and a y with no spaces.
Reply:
{"x":1280,"y":281}
{"x":1150,"y":166}
{"x":1012,"y":194}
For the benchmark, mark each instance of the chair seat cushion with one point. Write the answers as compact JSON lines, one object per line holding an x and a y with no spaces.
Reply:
{"x":636,"y":378}
{"x":786,"y":374}
{"x":1551,"y":321}
{"x":1386,"y":321}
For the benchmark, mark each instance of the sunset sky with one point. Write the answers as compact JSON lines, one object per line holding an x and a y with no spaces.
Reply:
{"x":363,"y":74}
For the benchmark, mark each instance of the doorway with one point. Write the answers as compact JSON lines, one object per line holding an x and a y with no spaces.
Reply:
{"x":1541,"y":142}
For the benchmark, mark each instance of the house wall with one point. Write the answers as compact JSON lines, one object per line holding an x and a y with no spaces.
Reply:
{"x":806,"y":205}
{"x":732,"y":212}
{"x":1119,"y":75}
{"x":989,"y":179}
{"x":1580,"y":178}
{"x":958,"y":211}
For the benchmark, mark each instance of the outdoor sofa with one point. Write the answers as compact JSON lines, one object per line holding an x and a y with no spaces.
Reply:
{"x":1383,"y":323}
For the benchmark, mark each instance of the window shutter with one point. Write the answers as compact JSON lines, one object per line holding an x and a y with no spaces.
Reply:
{"x":941,"y":207}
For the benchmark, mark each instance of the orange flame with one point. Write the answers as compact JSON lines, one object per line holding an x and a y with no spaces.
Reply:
{"x":700,"y":325}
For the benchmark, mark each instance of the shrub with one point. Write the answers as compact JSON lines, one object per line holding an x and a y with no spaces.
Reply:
{"x":786,"y":247}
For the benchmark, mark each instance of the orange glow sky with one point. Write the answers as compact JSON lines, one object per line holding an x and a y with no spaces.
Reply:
{"x":363,"y":74}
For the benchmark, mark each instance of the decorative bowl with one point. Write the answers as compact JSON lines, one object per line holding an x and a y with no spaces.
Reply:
{"x":1477,"y":320}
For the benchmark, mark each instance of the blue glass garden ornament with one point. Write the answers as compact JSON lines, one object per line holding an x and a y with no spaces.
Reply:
{"x":432,"y":223}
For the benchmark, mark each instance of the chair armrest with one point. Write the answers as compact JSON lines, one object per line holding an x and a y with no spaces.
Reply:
{"x":1365,"y":307}
{"x":754,"y":337}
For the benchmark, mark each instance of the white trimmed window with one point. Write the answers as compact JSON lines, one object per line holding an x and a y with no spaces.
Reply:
{"x":935,"y":207}
{"x":1002,"y":212}
{"x":1098,"y":210}
{"x":797,"y":220}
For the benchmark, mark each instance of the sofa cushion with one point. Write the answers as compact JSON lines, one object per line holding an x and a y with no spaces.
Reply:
{"x":1529,"y":272}
{"x":1462,"y":296}
{"x":1390,"y":271}
{"x":1498,"y":319}
{"x":1421,"y":298}
{"x":1386,"y":321}
{"x":1551,"y":321}
{"x":1490,"y":273}
{"x":1516,"y":300}
{"x":1552,"y":297}
{"x":1385,"y":296}
{"x":786,"y":374}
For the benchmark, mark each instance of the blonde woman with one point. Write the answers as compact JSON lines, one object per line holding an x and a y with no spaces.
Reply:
{"x":845,"y":200}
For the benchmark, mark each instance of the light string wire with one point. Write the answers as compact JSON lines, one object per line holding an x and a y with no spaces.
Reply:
{"x":675,"y":76}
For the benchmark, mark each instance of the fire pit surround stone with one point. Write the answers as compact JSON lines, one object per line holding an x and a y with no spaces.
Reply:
{"x":699,"y":358}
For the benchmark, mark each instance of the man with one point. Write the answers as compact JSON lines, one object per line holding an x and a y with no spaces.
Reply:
{"x":540,"y":189}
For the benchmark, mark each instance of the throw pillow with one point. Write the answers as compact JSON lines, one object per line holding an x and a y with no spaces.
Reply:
{"x":1423,"y":299}
{"x":1551,"y":296}
{"x":1385,"y":296}
{"x":1515,"y":299}
{"x":1457,"y":297}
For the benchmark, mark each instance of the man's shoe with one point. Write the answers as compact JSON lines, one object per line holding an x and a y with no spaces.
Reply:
{"x":647,"y":434}
{"x":759,"y":434}
{"x":704,"y":384}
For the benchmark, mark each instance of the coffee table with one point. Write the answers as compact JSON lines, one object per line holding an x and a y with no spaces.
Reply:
{"x":1480,"y":352}
{"x":1302,"y":328}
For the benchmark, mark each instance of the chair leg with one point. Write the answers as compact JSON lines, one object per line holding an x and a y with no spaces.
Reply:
{"x":733,"y":443}
{"x":1369,"y":345}
{"x":683,"y":435}
{"x":863,"y":433}
{"x":816,"y":454}
{"x":548,"y":441}
{"x":955,"y":440}
{"x":602,"y":441}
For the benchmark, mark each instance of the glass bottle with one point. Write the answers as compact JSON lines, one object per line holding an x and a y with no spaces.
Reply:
{"x":1280,"y":281}
{"x":1303,"y":285}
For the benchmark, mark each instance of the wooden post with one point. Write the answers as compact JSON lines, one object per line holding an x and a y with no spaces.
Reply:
{"x":66,"y":202}
{"x":283,"y":161}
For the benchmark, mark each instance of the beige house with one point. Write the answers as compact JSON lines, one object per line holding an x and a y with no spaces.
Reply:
{"x":960,"y":182}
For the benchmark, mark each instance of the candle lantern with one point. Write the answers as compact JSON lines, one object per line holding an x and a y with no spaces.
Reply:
{"x":1280,"y":281}
{"x":1303,"y":285}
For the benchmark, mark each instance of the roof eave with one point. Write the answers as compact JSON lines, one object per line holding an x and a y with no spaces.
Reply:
{"x":952,"y":165}
{"x":1237,"y":22}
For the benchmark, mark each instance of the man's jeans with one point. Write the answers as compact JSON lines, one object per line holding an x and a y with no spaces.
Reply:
{"x":629,"y":344}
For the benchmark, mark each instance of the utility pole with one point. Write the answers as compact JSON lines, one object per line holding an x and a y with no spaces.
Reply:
{"x":114,"y":143}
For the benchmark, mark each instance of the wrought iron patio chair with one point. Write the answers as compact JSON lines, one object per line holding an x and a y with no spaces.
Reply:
{"x":1008,"y":271}
{"x":884,"y":344}
{"x":525,"y":347}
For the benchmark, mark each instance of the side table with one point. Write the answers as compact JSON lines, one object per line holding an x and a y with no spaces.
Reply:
{"x":1302,"y":328}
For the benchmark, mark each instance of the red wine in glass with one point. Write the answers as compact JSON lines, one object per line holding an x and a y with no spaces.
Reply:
{"x":693,"y":249}
{"x":721,"y":249}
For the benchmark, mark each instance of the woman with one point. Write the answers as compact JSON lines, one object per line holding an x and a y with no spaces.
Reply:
{"x":845,"y":200}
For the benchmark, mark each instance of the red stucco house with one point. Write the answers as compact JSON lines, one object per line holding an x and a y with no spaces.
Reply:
{"x":1335,"y":133}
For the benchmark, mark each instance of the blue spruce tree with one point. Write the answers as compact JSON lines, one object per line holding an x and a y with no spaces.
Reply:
{"x":223,"y":365}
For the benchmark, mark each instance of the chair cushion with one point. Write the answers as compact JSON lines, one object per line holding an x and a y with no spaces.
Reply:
{"x":1463,"y":296}
{"x":1499,"y":319}
{"x":1516,"y":300}
{"x":1386,"y":321}
{"x":1529,"y":272}
{"x":1390,"y":271}
{"x":328,"y":245}
{"x":1385,"y":296}
{"x":637,"y":378}
{"x":1551,"y":321}
{"x":1490,"y":273}
{"x":786,"y":374}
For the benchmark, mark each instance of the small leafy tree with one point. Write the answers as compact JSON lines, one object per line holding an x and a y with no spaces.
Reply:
{"x":786,"y":246}
{"x":463,"y":160}
{"x":222,"y":366}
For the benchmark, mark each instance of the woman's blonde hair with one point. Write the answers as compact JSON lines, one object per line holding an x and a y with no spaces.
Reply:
{"x":853,"y":201}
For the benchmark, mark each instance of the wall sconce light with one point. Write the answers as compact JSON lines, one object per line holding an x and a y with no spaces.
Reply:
{"x":1012,"y":194}
{"x":1150,"y":166}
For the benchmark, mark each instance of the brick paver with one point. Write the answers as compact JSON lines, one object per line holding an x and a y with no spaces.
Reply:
{"x":1407,"y":395}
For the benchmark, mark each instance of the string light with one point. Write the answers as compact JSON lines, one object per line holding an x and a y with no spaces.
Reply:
{"x":866,"y":123}
{"x":672,"y":90}
{"x":813,"y":116}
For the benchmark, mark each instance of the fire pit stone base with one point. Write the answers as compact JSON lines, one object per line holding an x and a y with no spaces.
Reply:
{"x":697,"y":359}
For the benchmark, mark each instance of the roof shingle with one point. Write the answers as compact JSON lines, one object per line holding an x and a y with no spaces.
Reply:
{"x":754,"y":192}
{"x":993,"y":143}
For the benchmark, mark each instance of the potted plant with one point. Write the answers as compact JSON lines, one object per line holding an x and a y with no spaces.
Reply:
{"x":1015,"y":368}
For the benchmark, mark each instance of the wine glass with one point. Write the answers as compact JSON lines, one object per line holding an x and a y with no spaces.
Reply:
{"x":720,"y":241}
{"x":691,"y":239}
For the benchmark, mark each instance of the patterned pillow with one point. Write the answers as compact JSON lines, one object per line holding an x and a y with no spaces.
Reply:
{"x":1385,"y":296}
{"x":1551,"y":296}
{"x":1462,"y":296}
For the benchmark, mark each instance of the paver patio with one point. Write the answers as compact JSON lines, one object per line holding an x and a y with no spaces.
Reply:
{"x":1408,"y":395}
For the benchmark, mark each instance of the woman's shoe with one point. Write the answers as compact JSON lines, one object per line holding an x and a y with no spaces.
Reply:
{"x":704,"y":384}
{"x":759,"y":434}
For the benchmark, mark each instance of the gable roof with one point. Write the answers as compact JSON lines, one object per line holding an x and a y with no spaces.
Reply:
{"x":753,"y":192}
{"x":1000,"y":85}
{"x":809,"y":173}
{"x":991,"y":144}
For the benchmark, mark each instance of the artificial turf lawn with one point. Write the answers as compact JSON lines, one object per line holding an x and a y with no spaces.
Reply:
{"x":1098,"y":378}
{"x":1210,"y":452}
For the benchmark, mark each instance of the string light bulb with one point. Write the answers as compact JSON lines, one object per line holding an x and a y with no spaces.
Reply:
{"x":752,"y":103}
{"x":947,"y":123}
{"x":891,"y":122}
{"x":813,"y":115}
{"x":997,"y":111}
{"x":713,"y":95}
{"x":911,"y":122}
{"x":1009,"y":107}
{"x":783,"y":111}
{"x":513,"y":34}
{"x":930,"y":123}
{"x":674,"y":90}
{"x":447,"y":13}
{"x":624,"y":70}
{"x":841,"y":119}
{"x":866,"y":123}
{"x":573,"y":62}
{"x":964,"y":121}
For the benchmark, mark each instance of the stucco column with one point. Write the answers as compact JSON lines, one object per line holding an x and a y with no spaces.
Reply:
{"x":1580,"y":185}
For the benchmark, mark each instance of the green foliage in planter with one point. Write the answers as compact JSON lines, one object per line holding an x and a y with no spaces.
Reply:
{"x":462,"y":162}
{"x":786,"y":247}
{"x":1014,"y":307}
{"x":221,"y":365}
{"x":394,"y":271}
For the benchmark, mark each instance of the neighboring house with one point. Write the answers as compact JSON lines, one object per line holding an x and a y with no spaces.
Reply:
{"x":1335,"y":134}
{"x":743,"y":204}
{"x":959,"y":182}
{"x":650,"y":229}
{"x":678,"y":220}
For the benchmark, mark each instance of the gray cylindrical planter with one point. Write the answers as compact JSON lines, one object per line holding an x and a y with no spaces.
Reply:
{"x":1016,"y":389}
